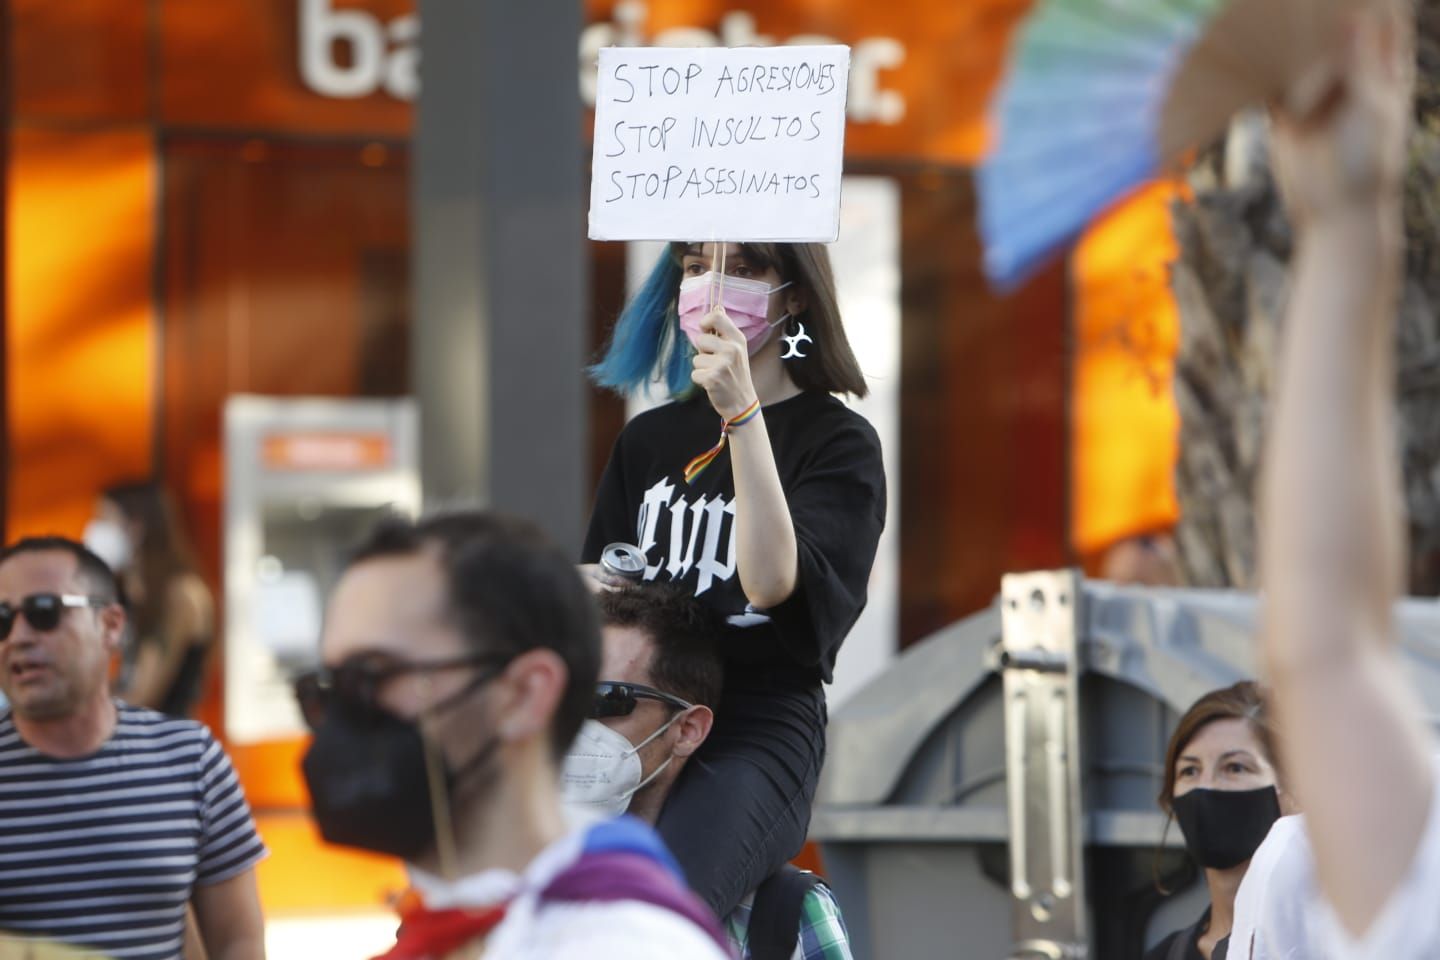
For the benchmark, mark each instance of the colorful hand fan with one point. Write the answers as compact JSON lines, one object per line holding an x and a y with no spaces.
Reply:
{"x":1101,"y":95}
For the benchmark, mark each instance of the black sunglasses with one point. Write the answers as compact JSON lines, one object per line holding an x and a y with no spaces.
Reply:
{"x":44,"y":610}
{"x":358,"y":681}
{"x":619,"y":699}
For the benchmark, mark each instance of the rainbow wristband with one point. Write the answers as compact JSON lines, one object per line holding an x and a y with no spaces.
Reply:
{"x":743,"y":417}
{"x":697,"y":466}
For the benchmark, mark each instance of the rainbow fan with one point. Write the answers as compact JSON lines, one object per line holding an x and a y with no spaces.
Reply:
{"x":1102,"y":95}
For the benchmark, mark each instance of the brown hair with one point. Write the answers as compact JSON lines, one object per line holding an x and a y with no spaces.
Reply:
{"x":683,"y":633}
{"x":163,"y":553}
{"x":1242,"y":701}
{"x":829,"y":363}
{"x":510,"y":591}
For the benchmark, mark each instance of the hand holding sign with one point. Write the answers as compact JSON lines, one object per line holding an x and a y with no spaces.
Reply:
{"x":719,"y":144}
{"x":715,"y":143}
{"x":722,"y":365}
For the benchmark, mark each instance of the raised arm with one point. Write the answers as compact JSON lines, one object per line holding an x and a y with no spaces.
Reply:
{"x":1332,"y":535}
{"x":766,"y":552}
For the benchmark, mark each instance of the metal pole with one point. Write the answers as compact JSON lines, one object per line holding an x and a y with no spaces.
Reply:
{"x":1040,"y":663}
{"x":499,"y":332}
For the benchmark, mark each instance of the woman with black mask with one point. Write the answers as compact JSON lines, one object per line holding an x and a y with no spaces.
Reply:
{"x":1221,"y":787}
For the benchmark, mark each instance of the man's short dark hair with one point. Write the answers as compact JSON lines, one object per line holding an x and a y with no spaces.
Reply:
{"x":510,"y":591}
{"x":97,"y":573}
{"x":684,"y":634}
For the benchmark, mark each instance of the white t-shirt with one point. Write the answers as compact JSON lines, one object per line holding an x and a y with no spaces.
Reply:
{"x":550,"y":931}
{"x":1270,"y":920}
{"x":1408,"y":927}
{"x":1280,"y":913}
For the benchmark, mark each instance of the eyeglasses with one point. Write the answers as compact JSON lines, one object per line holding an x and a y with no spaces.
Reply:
{"x":358,"y":681}
{"x":43,"y":610}
{"x":619,"y":699}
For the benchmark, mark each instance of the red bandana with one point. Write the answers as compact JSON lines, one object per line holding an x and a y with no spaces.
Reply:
{"x":434,"y":934}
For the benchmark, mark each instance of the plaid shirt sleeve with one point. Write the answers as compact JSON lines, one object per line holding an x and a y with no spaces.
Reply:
{"x":822,"y":929}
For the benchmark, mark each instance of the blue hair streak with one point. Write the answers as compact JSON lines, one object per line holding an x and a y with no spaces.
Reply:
{"x":647,"y":340}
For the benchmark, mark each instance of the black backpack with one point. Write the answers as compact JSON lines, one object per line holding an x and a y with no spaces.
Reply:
{"x":775,"y":915}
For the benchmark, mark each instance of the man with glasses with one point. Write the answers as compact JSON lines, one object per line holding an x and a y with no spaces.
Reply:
{"x":459,"y":659}
{"x":115,"y":818}
{"x":661,"y":680}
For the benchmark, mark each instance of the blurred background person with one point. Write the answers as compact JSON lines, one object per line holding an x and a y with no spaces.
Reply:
{"x":126,"y":832}
{"x":137,"y":531}
{"x":1149,"y":560}
{"x":460,"y":658}
{"x":1221,"y":787}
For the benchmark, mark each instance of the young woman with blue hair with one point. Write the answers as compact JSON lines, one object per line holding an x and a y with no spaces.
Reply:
{"x":775,"y":525}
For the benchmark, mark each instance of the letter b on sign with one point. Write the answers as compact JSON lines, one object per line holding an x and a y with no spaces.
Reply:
{"x":322,"y":31}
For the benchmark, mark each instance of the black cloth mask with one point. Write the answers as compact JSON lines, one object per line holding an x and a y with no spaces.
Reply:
{"x":368,"y":783}
{"x":1224,"y":828}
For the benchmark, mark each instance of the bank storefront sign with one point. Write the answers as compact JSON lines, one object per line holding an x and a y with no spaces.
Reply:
{"x":349,"y":53}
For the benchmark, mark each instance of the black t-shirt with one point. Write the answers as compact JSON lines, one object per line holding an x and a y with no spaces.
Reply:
{"x":828,"y":459}
{"x":1185,"y":944}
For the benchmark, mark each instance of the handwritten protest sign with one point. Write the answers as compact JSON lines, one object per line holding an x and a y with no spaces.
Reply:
{"x":737,"y":144}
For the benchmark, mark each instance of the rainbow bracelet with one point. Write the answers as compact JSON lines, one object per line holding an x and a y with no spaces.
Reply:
{"x":697,"y":466}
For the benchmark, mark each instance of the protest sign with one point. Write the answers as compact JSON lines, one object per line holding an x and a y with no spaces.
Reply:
{"x":740,"y":144}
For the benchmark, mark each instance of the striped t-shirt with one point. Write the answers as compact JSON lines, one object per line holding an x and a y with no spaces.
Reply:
{"x":103,"y":852}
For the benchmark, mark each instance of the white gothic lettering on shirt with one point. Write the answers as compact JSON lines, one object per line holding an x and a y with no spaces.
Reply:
{"x":691,"y":528}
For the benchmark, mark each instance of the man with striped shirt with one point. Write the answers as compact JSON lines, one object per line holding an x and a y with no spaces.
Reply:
{"x":114,"y":818}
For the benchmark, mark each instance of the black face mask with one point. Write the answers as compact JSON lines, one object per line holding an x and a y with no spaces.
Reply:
{"x":369,"y":787}
{"x":1223,"y":828}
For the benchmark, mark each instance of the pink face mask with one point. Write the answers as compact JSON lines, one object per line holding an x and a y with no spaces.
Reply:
{"x":746,"y":302}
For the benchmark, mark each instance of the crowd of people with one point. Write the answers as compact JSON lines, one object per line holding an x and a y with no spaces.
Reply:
{"x":574,"y":764}
{"x":461,"y":719}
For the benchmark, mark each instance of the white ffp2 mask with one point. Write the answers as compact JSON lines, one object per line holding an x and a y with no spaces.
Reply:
{"x":602,"y":771}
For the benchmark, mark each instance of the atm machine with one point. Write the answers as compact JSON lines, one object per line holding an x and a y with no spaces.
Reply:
{"x":305,"y":479}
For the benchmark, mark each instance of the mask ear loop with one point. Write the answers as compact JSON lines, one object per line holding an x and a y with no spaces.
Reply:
{"x":446,"y":849}
{"x":641,"y":745}
{"x":440,"y":812}
{"x":787,"y":315}
{"x":658,"y":730}
{"x":646,"y":782}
